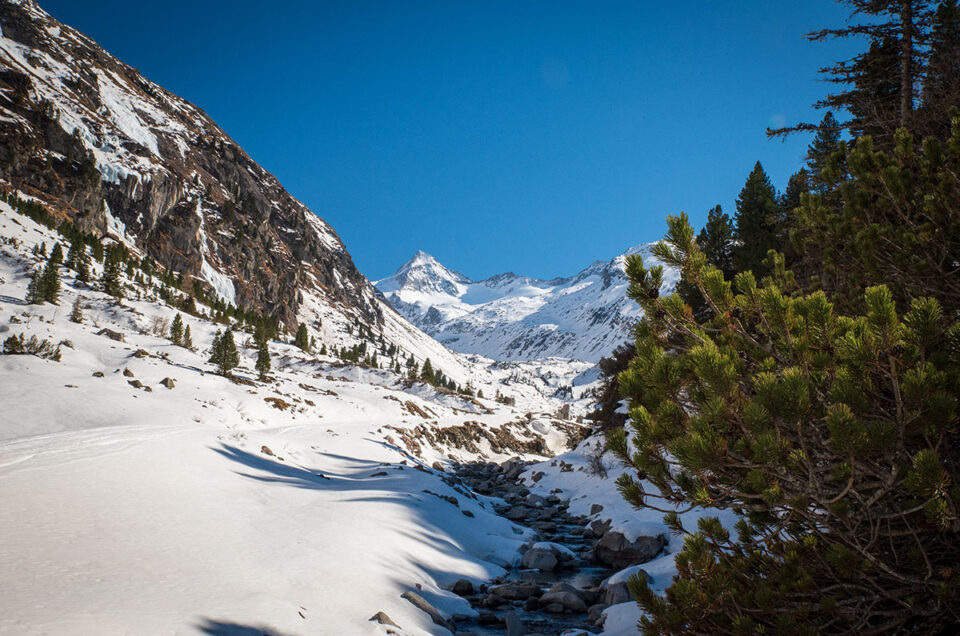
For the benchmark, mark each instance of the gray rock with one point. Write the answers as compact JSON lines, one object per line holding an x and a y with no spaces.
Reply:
{"x":595,"y":613}
{"x":615,"y":551}
{"x":596,"y":509}
{"x":554,"y":608}
{"x":424,"y":606}
{"x":110,"y":333}
{"x":616,"y":593}
{"x":518,"y":513}
{"x":493,"y":601}
{"x":168,"y":382}
{"x":516,"y":591}
{"x":531,"y":604}
{"x":514,"y":626}
{"x":463,"y":587}
{"x":539,"y":558}
{"x":127,"y":373}
{"x":567,"y":596}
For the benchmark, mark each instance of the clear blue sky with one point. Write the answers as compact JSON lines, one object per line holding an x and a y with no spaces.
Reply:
{"x":513,"y":135}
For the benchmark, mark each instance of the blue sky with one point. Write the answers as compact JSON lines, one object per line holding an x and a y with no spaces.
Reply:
{"x":515,"y":135}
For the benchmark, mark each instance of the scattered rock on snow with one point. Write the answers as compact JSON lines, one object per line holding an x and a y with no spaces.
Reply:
{"x":113,"y":335}
{"x":423,"y":605}
{"x":168,"y":382}
{"x":383,"y":619}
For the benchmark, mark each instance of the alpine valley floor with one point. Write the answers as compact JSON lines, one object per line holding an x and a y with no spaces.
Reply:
{"x":144,"y":494}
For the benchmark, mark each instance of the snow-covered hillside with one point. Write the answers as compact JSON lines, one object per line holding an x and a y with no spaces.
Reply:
{"x":145,"y":494}
{"x":511,"y":317}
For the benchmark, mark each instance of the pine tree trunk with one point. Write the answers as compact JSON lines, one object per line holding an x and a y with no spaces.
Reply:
{"x":906,"y":63}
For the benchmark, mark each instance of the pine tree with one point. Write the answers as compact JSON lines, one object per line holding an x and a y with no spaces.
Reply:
{"x":302,"y":339}
{"x":111,"y":276}
{"x":224,"y":352}
{"x":834,"y":436}
{"x":83,"y":268}
{"x":50,"y":279}
{"x":35,"y":288}
{"x":176,"y":330}
{"x":427,"y":374}
{"x":824,"y":145}
{"x":878,"y":84}
{"x":941,"y":85}
{"x":263,"y":361}
{"x":758,"y":220}
{"x":56,"y":254}
{"x":76,"y":314}
{"x":323,"y":349}
{"x":187,"y":339}
{"x":73,"y":254}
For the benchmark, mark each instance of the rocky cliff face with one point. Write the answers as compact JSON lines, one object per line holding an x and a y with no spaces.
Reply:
{"x":120,"y":156}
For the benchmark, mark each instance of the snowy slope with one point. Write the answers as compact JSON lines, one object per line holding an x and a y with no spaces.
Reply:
{"x":298,"y":505}
{"x":511,"y":317}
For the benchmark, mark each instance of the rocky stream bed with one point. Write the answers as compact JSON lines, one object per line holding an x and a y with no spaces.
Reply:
{"x":561,"y":586}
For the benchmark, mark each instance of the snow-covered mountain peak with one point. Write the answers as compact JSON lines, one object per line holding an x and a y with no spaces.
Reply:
{"x":514,"y":317}
{"x":423,"y":274}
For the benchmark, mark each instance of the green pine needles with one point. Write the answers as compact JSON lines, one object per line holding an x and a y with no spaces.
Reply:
{"x":224,"y":353}
{"x":833,"y":436}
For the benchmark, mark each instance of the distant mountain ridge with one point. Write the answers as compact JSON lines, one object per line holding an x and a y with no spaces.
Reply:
{"x":513,"y":317}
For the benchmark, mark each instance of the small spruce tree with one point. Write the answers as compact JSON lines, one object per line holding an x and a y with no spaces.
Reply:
{"x":176,"y":330}
{"x":263,"y":361}
{"x":35,"y":288}
{"x":111,"y":276}
{"x":302,"y":339}
{"x":187,"y":339}
{"x":76,"y":314}
{"x":50,"y":279}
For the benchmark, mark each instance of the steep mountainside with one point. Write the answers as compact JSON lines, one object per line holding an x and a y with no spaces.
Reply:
{"x":121,"y":157}
{"x":511,"y":317}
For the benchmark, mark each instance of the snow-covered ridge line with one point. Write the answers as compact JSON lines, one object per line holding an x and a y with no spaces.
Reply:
{"x":512,"y":317}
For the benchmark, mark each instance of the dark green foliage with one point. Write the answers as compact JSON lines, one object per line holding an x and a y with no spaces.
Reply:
{"x":76,"y":313}
{"x":263,"y":360}
{"x":110,"y":281}
{"x":176,"y":330}
{"x":895,"y":220}
{"x":50,"y":279}
{"x":877,"y":85}
{"x":302,"y":339}
{"x":426,"y":374}
{"x":833,"y":436}
{"x":758,"y":222}
{"x":56,"y":255}
{"x":824,"y":145}
{"x":941,"y":86}
{"x":224,"y":353}
{"x":187,"y":339}
{"x":35,"y":288}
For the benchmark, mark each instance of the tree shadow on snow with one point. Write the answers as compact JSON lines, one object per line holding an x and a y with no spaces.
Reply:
{"x":227,"y":628}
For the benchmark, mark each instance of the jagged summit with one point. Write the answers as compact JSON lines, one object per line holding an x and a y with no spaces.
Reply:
{"x":514,"y":317}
